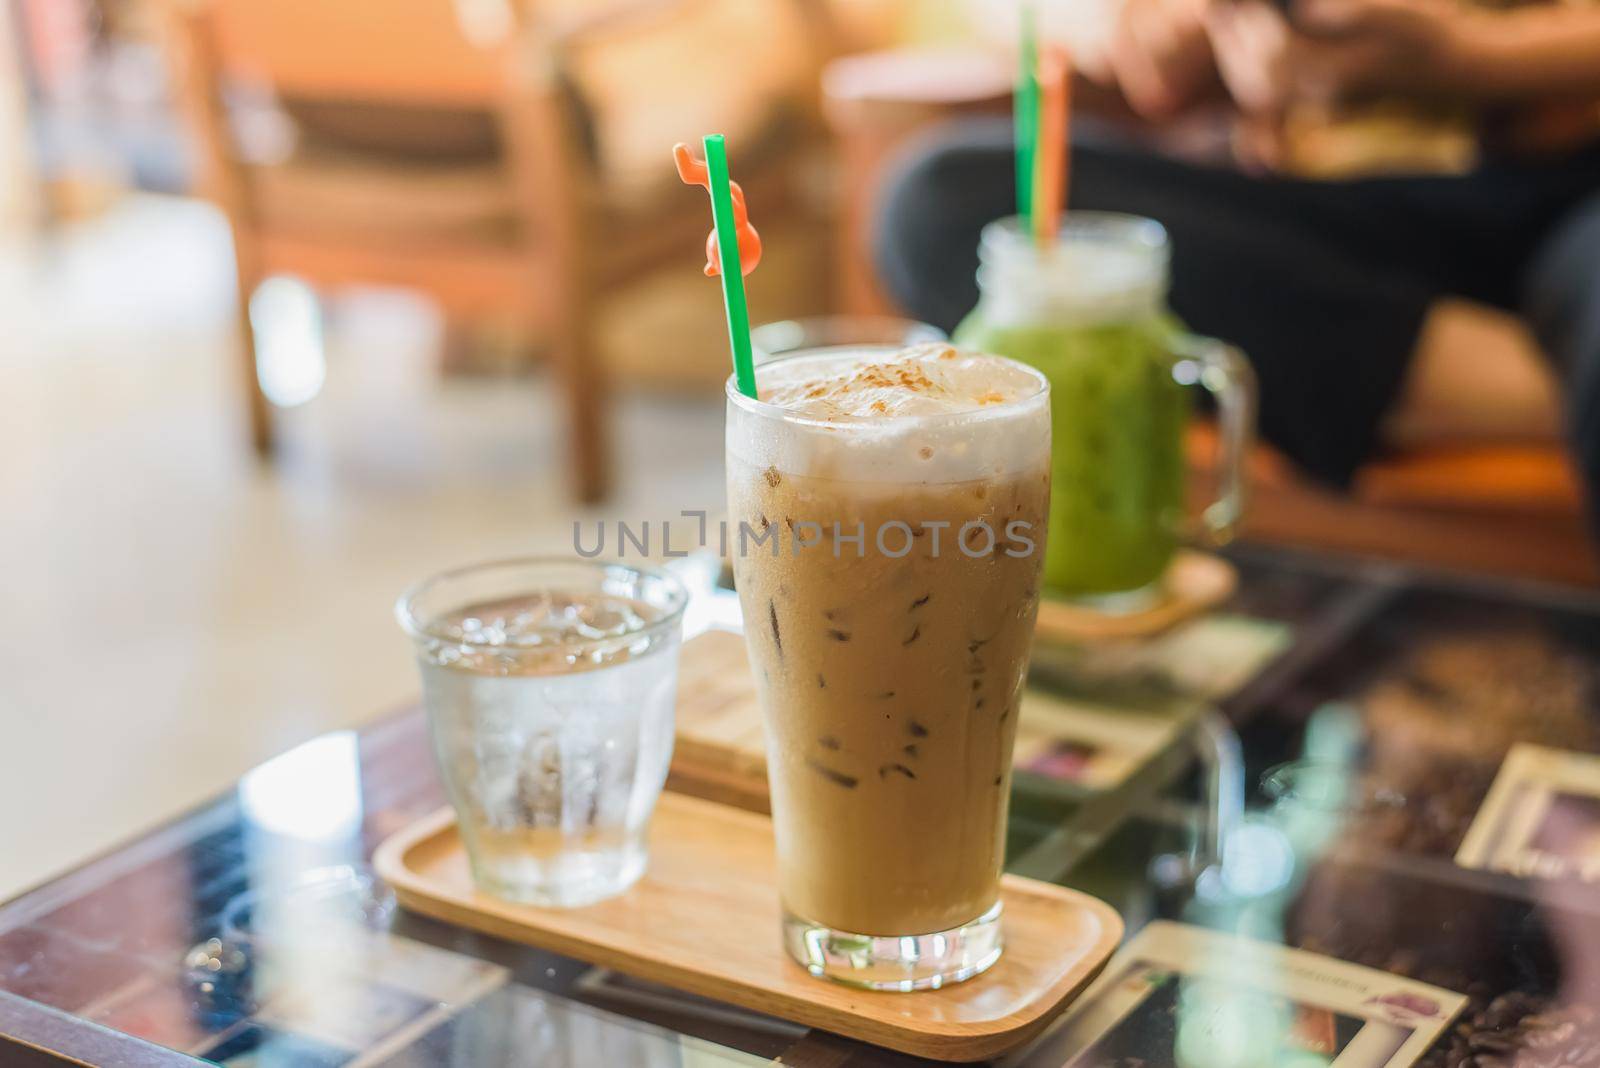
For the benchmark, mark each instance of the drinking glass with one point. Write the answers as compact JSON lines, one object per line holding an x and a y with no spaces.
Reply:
{"x":549,"y":687}
{"x":785,"y":337}
{"x":889,"y":646}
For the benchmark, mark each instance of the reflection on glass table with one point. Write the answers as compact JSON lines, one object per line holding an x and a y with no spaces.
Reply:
{"x":1374,"y":840}
{"x":1410,"y":819}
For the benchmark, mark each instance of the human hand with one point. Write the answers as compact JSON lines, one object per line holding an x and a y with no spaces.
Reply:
{"x":1333,"y":50}
{"x":1158,"y":55}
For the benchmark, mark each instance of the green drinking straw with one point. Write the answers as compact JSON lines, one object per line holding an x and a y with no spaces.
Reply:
{"x":733,"y":299}
{"x":1025,"y":115}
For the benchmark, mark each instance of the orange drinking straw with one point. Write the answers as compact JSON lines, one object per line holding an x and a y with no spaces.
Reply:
{"x":732,"y":250}
{"x":1050,"y":159}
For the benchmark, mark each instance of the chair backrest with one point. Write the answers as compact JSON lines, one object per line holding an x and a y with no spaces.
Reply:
{"x":439,"y":52}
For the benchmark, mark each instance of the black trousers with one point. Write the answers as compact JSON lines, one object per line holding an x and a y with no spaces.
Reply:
{"x":1323,"y":284}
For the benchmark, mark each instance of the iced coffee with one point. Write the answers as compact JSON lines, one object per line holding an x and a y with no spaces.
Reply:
{"x":887,"y":526}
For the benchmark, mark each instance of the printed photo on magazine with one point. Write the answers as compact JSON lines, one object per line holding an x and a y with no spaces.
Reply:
{"x":1541,"y":818}
{"x":1178,"y":996}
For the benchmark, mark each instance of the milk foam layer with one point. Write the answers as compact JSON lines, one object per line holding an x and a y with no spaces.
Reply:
{"x":933,"y":379}
{"x":927,"y":414}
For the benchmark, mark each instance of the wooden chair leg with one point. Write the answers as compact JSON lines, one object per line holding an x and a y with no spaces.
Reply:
{"x":258,"y":411}
{"x":546,"y":168}
{"x":223,"y":178}
{"x":582,"y":381}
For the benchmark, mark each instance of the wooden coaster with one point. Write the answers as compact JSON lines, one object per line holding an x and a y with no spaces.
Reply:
{"x":704,"y":919}
{"x":1194,"y":583}
{"x":720,"y":749}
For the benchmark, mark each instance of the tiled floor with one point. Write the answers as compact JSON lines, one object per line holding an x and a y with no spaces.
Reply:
{"x":171,"y":613}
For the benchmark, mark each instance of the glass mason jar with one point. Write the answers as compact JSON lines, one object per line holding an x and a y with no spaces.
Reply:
{"x":1090,"y":313}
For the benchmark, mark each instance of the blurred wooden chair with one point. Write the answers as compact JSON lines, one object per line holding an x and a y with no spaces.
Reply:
{"x":499,"y":208}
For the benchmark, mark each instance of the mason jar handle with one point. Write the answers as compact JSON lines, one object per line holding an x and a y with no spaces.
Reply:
{"x":1222,"y":371}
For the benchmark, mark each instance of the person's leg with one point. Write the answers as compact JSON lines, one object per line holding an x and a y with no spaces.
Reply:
{"x":1326,"y":300}
{"x":1463,"y":235}
{"x":1561,"y":303}
{"x":1325,"y":297}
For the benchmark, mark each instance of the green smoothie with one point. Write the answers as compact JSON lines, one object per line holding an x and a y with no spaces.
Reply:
{"x":1117,"y":420}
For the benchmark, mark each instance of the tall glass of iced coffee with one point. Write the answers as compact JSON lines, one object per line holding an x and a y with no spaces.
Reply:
{"x":887,"y":524}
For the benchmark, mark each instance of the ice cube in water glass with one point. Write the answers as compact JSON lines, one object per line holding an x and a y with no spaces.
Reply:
{"x":552,"y":718}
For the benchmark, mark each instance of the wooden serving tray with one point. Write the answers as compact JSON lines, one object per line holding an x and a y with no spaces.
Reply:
{"x":704,"y":919}
{"x":1195,"y":582}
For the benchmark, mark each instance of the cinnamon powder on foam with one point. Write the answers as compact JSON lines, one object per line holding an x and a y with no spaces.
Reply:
{"x":922,"y":380}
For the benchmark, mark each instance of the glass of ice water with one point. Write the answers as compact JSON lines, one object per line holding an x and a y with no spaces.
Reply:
{"x":549,"y":687}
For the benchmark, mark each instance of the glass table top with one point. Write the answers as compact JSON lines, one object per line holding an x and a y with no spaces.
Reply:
{"x":1352,"y":819}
